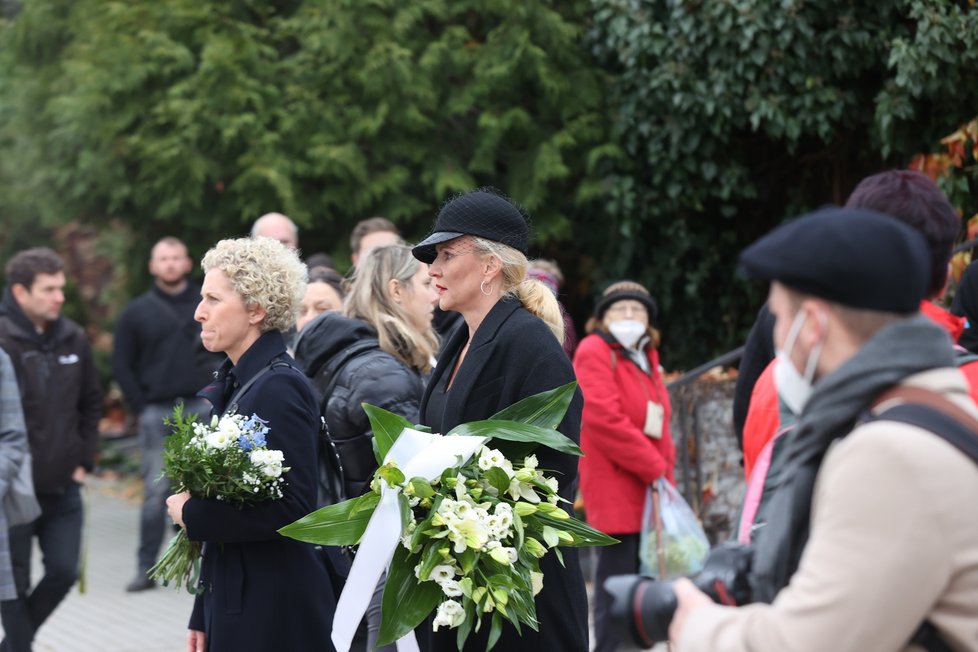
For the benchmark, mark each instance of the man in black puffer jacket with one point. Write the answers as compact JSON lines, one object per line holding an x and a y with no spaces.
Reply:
{"x":62,"y":404}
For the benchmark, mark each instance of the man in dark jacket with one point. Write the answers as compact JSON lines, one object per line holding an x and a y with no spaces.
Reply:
{"x":62,"y":404}
{"x":159,"y":361}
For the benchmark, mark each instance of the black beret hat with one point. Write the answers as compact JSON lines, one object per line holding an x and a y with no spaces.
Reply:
{"x":485,"y":213}
{"x":621,"y":291}
{"x":850,"y":256}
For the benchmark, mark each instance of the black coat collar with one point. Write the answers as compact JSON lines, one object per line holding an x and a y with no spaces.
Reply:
{"x":478,"y":355}
{"x":228,"y":377}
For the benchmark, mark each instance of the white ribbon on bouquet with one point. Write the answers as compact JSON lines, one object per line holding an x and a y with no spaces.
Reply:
{"x":416,"y":454}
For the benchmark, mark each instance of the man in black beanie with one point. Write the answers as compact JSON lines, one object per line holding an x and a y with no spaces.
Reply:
{"x":866,"y":547}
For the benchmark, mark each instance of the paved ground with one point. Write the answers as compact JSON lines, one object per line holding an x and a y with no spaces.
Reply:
{"x":106,"y":618}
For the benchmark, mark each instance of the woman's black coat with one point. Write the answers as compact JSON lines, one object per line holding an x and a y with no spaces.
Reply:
{"x":263,"y":591}
{"x":514,"y":355}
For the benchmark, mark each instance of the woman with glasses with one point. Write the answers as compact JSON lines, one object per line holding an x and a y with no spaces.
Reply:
{"x":624,"y":432}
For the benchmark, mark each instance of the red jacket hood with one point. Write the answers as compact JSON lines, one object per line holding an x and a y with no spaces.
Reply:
{"x":953,"y":324}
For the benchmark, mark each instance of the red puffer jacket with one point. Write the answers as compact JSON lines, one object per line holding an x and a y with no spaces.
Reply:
{"x":620,"y":460}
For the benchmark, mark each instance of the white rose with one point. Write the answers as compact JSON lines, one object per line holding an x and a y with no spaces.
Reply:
{"x":219,"y":439}
{"x":268,"y":461}
{"x":230,"y":426}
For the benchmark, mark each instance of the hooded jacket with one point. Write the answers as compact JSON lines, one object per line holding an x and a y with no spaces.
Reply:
{"x":60,"y":394}
{"x":347,"y":367}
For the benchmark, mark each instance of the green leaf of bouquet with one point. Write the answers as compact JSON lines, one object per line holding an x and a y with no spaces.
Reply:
{"x":497,"y":478}
{"x":406,"y":602}
{"x":584,"y":534}
{"x":431,"y":557}
{"x":421,"y":487}
{"x":515,"y":431}
{"x":546,"y":409}
{"x":387,"y":427}
{"x":335,"y":525}
{"x":466,"y":627}
{"x":467,"y":560}
{"x":495,"y":631}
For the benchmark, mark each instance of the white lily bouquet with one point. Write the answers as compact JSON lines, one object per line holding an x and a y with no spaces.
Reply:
{"x":226,"y":460}
{"x":459,"y":522}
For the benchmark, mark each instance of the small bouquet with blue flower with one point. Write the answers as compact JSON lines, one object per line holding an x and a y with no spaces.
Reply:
{"x":225,"y":460}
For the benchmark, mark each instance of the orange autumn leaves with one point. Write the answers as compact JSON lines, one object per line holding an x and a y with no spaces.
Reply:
{"x":958,"y":157}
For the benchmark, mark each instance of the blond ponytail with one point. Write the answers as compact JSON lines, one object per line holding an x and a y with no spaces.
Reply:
{"x":534,"y":295}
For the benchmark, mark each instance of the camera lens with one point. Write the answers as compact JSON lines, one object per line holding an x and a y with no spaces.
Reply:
{"x":642,"y":608}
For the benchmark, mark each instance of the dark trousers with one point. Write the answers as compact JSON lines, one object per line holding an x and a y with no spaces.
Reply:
{"x":620,"y":559}
{"x":58,"y":531}
{"x":153,"y":520}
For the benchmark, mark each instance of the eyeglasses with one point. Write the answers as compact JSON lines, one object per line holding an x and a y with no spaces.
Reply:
{"x":625,"y":309}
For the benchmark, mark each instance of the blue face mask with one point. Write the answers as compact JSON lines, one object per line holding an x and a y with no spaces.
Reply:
{"x":793,"y":387}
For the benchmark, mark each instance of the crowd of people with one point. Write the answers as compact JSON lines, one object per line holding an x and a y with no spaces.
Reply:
{"x":855,"y":512}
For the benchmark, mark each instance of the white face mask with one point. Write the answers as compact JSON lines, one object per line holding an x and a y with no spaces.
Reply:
{"x":627,"y":331}
{"x":794,"y":388}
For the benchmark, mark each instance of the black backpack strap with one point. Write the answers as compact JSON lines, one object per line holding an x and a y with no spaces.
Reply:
{"x":934,"y":418}
{"x":332,"y":475}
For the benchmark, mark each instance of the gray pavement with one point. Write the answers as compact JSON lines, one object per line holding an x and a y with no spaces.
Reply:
{"x":106,"y":618}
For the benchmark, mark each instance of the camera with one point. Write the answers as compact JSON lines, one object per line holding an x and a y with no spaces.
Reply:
{"x":643,"y":607}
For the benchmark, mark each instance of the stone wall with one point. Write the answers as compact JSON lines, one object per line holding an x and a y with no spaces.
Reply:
{"x":709,"y":473}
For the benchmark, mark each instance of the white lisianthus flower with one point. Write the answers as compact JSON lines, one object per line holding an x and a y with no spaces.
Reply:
{"x":513,"y":555}
{"x":530,"y":462}
{"x":269,"y":462}
{"x":449,"y":614}
{"x":441,"y":573}
{"x":451,"y":588}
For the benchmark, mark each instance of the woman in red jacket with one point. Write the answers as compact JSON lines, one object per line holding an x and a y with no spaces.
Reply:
{"x":624,"y":432}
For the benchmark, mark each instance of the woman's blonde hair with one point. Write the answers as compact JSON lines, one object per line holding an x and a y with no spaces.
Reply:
{"x":265,"y":273}
{"x":534,"y":295}
{"x":369,"y":299}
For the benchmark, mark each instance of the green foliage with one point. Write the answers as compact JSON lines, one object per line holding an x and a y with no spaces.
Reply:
{"x":193,"y":118}
{"x":736,"y":114}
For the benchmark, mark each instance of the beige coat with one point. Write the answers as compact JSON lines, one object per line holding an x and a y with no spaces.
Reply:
{"x":894,"y":541}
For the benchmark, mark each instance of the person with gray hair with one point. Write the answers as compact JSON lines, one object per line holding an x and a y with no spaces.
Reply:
{"x":277,"y":227}
{"x":258,"y":589}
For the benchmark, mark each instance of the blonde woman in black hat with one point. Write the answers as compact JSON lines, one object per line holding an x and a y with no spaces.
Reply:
{"x":624,"y":432}
{"x":508,"y":348}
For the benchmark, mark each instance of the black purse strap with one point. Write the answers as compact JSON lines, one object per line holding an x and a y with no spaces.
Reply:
{"x":232,"y":407}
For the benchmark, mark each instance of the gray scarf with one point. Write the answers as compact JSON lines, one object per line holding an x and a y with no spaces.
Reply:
{"x":898,"y":350}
